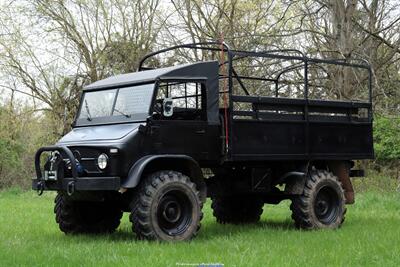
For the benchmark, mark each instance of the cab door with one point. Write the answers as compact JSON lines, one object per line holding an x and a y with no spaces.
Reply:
{"x":179,"y":120}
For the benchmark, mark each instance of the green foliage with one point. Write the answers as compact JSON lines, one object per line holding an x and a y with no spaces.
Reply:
{"x":10,"y":149}
{"x":21,"y":134}
{"x":10,"y":152}
{"x":382,"y":181}
{"x":387,"y":138}
{"x":121,"y":56}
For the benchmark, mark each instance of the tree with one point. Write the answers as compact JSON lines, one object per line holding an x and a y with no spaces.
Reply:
{"x":66,"y":44}
{"x":357,"y":29}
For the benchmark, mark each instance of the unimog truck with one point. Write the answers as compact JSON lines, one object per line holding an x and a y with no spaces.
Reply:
{"x":156,"y":143}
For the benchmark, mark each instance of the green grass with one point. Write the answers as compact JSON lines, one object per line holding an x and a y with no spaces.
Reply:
{"x":370,"y":236}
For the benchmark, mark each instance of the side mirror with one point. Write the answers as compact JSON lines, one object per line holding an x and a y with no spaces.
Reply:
{"x":168,"y":107}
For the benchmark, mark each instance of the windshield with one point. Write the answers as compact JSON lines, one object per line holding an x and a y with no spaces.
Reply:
{"x":116,"y":105}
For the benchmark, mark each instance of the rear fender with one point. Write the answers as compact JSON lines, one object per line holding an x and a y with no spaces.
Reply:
{"x":295,"y":180}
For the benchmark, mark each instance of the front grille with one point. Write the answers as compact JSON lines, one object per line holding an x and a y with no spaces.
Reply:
{"x":87,"y":158}
{"x":90,"y":165}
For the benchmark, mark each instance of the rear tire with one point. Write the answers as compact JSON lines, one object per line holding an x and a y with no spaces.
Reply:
{"x":237,"y":209}
{"x":74,"y":217}
{"x":166,"y":207}
{"x":322,"y":203}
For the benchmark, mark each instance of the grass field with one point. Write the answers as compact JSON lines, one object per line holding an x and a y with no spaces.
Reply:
{"x":370,"y":236}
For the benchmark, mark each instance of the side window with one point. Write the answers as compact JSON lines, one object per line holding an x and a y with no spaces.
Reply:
{"x":180,"y":101}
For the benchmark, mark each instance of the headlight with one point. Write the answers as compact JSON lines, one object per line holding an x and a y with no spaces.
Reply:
{"x":102,"y":161}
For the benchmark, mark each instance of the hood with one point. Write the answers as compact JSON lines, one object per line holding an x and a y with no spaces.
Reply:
{"x":99,"y":133}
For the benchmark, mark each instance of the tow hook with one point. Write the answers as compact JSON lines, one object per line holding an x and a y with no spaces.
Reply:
{"x":40,"y":188}
{"x":70,"y":188}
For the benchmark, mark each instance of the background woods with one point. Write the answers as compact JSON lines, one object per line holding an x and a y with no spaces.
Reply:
{"x":50,"y":49}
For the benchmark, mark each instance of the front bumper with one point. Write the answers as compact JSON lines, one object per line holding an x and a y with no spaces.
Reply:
{"x":74,"y":183}
{"x":79,"y":184}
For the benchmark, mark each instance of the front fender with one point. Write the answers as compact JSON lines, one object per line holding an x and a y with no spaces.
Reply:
{"x":184,"y":164}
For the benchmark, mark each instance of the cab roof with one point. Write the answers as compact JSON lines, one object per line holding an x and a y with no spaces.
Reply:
{"x":207,"y":72}
{"x":196,"y":70}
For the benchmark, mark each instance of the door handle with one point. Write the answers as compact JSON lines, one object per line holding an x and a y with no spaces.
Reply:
{"x":201,"y":131}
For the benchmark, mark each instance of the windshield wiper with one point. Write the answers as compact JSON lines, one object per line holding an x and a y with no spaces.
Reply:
{"x":89,"y":117}
{"x":122,"y":113}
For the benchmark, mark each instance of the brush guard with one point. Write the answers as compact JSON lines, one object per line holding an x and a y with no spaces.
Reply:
{"x":69,"y":184}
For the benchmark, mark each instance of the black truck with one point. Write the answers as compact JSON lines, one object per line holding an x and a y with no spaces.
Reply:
{"x":156,"y":143}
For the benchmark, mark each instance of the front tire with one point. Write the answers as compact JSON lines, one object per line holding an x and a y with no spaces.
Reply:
{"x":166,"y":207}
{"x":322,"y":203}
{"x":74,"y":217}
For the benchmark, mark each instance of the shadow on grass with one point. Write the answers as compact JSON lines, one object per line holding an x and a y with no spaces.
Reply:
{"x":212,"y":231}
{"x":208,"y":232}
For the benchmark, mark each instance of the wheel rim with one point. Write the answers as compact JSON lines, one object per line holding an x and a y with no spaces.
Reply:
{"x":326,"y":205}
{"x":174,"y":213}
